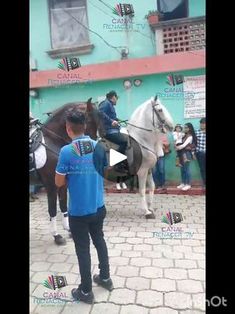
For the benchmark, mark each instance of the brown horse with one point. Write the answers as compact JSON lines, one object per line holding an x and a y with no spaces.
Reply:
{"x":55,"y":135}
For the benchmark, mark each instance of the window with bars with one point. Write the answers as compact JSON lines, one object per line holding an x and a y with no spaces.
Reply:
{"x":184,"y":37}
{"x":66,"y":32}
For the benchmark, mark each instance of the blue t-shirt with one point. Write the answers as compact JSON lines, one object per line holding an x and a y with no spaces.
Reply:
{"x":85,"y":184}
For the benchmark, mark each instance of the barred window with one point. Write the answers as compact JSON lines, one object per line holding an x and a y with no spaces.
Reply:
{"x":66,"y":32}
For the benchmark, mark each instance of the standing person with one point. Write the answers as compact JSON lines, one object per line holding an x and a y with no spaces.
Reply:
{"x":86,"y":203}
{"x":121,"y":184}
{"x":32,"y":193}
{"x":159,"y":169}
{"x":201,"y":149}
{"x":178,"y":135}
{"x":111,"y":125}
{"x":188,"y":145}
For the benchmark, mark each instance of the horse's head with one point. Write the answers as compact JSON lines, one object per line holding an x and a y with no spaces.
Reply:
{"x":165,"y":120}
{"x":93,"y":119}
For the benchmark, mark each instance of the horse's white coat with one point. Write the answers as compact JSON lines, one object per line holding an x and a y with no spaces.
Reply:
{"x":143,"y":117}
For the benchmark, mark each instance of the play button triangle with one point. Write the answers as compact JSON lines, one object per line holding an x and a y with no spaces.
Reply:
{"x":115,"y":157}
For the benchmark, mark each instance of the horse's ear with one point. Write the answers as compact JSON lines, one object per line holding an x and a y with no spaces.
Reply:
{"x":155,"y":98}
{"x":89,"y":105}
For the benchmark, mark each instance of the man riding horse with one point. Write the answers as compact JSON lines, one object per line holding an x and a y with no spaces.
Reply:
{"x":111,"y":125}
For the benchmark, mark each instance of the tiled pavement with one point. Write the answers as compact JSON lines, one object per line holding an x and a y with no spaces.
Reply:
{"x":151,"y":274}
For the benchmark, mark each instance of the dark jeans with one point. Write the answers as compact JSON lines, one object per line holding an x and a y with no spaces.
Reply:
{"x":159,"y":172}
{"x":201,"y":158}
{"x":121,"y":179}
{"x":185,"y":169}
{"x":119,"y":139}
{"x":80,"y":228}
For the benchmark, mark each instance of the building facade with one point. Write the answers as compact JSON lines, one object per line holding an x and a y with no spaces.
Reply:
{"x":124,"y":53}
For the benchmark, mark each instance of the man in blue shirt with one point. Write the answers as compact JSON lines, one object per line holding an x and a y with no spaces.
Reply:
{"x":201,"y":149}
{"x":110,"y":121}
{"x":86,"y":204}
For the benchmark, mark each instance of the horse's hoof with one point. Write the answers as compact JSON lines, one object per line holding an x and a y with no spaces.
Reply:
{"x":59,"y":240}
{"x":150,"y":216}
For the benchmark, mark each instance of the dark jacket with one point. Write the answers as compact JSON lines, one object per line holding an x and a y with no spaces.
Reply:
{"x":108,"y":116}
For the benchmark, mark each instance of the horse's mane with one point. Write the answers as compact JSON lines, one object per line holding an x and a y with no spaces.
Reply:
{"x":57,"y":113}
{"x":138,"y":110}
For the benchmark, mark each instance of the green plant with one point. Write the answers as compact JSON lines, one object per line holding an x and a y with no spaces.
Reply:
{"x":151,"y":12}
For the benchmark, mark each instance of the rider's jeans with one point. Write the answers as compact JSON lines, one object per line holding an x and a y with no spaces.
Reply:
{"x":119,"y":139}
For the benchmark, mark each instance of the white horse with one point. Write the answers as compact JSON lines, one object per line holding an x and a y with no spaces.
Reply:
{"x":146,"y":124}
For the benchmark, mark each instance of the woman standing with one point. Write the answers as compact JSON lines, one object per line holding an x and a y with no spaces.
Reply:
{"x":188,"y":146}
{"x":159,"y":169}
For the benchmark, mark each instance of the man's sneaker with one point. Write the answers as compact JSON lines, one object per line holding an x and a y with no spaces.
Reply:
{"x":186,"y":187}
{"x":118,"y":186}
{"x":107,"y":283}
{"x":79,"y":295}
{"x":180,"y":186}
{"x":124,"y":186}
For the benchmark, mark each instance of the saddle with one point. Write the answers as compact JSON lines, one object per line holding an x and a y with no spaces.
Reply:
{"x":35,"y":140}
{"x":132,"y":152}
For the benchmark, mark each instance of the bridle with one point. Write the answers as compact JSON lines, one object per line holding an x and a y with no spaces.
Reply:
{"x":161,"y":122}
{"x":159,"y":125}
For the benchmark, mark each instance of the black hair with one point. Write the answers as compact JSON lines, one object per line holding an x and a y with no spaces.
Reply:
{"x":192,"y":132}
{"x":203,"y":120}
{"x":76,"y":120}
{"x":111,"y":94}
{"x":73,"y":115}
{"x":178,"y":126}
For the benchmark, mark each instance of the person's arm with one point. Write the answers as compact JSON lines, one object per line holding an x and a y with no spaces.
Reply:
{"x":60,"y":180}
{"x":105,"y":109}
{"x":187,"y":141}
{"x":61,"y":169}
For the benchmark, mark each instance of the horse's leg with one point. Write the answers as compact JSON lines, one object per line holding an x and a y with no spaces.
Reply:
{"x":151,"y":186}
{"x":62,"y":193}
{"x":52,"y":209}
{"x":142,"y":176}
{"x":132,"y":183}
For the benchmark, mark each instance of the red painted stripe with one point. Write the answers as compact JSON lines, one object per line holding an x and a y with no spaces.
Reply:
{"x":125,"y":68}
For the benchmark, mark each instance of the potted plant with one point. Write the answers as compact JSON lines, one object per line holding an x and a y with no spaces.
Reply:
{"x":153,"y":17}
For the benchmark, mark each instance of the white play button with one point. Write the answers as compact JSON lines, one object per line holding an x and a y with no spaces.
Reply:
{"x":115,"y":157}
